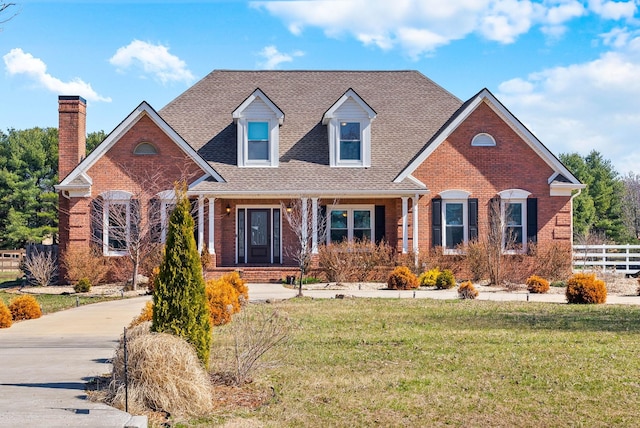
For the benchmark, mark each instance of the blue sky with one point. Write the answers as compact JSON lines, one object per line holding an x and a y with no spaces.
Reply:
{"x":568,"y":69}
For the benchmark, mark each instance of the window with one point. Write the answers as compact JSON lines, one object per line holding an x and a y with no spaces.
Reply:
{"x":483,"y":140}
{"x":258,"y":122}
{"x":351,"y":223}
{"x":513,"y":208}
{"x":350,"y":141}
{"x":145,"y":149}
{"x":258,"y":141}
{"x":348,"y":123}
{"x":117,"y":228}
{"x":114,"y":220}
{"x":454,"y":220}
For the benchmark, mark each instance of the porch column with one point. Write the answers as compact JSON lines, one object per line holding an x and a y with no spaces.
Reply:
{"x":405,"y":228}
{"x":314,"y":226}
{"x":305,"y":219}
{"x":200,"y":223}
{"x":416,"y":248}
{"x":211,"y":243}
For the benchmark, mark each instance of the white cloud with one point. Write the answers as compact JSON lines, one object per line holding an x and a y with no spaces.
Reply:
{"x":419,"y":27}
{"x":273,"y":58}
{"x":152,"y":59}
{"x":582,"y":107}
{"x":19,"y":62}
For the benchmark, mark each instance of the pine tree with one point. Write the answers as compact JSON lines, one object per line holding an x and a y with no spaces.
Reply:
{"x":180,"y":306}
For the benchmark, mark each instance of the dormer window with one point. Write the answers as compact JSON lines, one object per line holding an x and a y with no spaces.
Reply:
{"x":349,"y":130}
{"x":258,"y":122}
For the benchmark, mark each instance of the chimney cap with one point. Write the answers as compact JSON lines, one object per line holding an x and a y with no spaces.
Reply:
{"x":72,"y":98}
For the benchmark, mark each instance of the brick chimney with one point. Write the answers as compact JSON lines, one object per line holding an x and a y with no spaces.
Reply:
{"x":72,"y":131}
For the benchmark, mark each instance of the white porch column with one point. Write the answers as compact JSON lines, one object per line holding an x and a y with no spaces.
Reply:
{"x":211,"y":244}
{"x":405,"y":227}
{"x":305,"y":219}
{"x":314,"y":220}
{"x":415,"y":224}
{"x":200,"y":223}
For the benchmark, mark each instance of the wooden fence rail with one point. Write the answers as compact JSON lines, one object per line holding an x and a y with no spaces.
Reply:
{"x":10,"y":259}
{"x":619,"y":258}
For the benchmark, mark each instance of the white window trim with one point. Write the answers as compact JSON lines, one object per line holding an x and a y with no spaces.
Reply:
{"x":350,"y":209}
{"x":243,"y":143}
{"x":115,"y":198}
{"x":483,"y":140}
{"x":454,"y":197}
{"x":514,"y":196}
{"x":334,"y":143}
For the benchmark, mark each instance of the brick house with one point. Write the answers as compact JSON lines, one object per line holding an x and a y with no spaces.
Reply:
{"x":382,"y":155}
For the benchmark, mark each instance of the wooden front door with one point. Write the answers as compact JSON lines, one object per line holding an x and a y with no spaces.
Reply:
{"x":259,"y":236}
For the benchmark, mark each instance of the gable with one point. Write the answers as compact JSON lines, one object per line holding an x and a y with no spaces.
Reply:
{"x":143,"y":125}
{"x":501,"y":119}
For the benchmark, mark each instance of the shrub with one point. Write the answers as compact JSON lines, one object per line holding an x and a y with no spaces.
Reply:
{"x":445,"y":280}
{"x":40,"y":267}
{"x":535,"y":284}
{"x":179,"y":298}
{"x":164,"y":375}
{"x":350,"y":261}
{"x":153,"y":277}
{"x":146,"y":314}
{"x":223,"y":300}
{"x":585,"y":288}
{"x":428,"y":278}
{"x":5,"y":316}
{"x":467,"y":291}
{"x":85,"y":263}
{"x":25,"y":308}
{"x":559,"y":284}
{"x":402,"y":279}
{"x":552,"y":260}
{"x":83,"y":286}
{"x":238,"y":283}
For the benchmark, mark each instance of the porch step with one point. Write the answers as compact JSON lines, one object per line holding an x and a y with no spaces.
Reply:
{"x":255,"y":274}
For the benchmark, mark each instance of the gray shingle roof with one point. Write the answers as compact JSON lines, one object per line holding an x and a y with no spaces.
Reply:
{"x":410,"y":110}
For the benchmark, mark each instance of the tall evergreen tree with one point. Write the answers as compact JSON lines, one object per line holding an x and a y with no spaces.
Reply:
{"x":180,"y":306}
{"x":599,"y":207}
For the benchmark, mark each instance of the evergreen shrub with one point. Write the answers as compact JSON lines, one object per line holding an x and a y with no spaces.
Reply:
{"x":25,"y":308}
{"x":83,"y":285}
{"x":535,"y":284}
{"x":428,"y":278}
{"x":5,"y":316}
{"x":146,"y":314}
{"x":467,"y":290}
{"x":585,"y":288}
{"x":445,"y":280}
{"x":402,"y":279}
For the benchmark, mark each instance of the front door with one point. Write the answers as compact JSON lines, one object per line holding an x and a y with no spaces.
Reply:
{"x":259,"y":239}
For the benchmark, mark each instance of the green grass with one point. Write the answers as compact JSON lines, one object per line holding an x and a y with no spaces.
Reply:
{"x":56,"y":302}
{"x":380,"y":362}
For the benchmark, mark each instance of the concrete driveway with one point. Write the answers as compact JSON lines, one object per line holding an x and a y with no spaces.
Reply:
{"x":45,"y":363}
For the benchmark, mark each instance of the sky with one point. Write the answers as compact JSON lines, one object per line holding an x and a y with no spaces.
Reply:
{"x":568,"y":69}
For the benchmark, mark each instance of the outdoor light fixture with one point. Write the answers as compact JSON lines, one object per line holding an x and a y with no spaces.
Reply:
{"x":289,"y":208}
{"x":228,"y":209}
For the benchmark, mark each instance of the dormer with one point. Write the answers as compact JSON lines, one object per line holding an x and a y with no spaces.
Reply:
{"x":258,"y":122}
{"x":349,"y":130}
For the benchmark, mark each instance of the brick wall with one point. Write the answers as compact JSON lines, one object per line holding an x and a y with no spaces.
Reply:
{"x":485,"y":171}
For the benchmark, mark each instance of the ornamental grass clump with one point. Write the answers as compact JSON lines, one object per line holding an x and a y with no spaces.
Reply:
{"x":585,"y":288}
{"x":445,"y":280}
{"x":402,"y":279}
{"x":164,"y":375}
{"x":467,"y":291}
{"x":428,"y":278}
{"x":25,"y":308}
{"x":5,"y":316}
{"x":537,"y":285}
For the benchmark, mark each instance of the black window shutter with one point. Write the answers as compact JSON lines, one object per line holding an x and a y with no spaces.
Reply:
{"x":134,"y":219}
{"x":96,"y":221}
{"x":380,"y":224}
{"x":473,"y":218}
{"x":436,"y":222}
{"x":323,"y":224}
{"x":532,"y":220}
{"x":155,"y":224}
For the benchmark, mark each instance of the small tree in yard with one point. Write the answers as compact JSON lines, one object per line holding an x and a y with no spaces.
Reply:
{"x":180,"y":305}
{"x":41,"y":267}
{"x":299,"y":215}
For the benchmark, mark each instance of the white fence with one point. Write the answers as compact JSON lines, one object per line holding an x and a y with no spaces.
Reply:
{"x":619,"y":258}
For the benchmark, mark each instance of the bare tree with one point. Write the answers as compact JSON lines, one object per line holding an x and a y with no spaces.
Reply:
{"x":133,"y":226}
{"x":40,"y":266}
{"x":303,"y":222}
{"x":631,"y":203}
{"x":4,"y":15}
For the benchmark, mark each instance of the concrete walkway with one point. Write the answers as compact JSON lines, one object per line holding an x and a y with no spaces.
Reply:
{"x":45,"y":364}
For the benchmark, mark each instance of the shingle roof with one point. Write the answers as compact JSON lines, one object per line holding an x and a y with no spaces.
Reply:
{"x":410,"y":110}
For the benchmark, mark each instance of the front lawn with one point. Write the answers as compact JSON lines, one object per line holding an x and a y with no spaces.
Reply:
{"x":381,"y":362}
